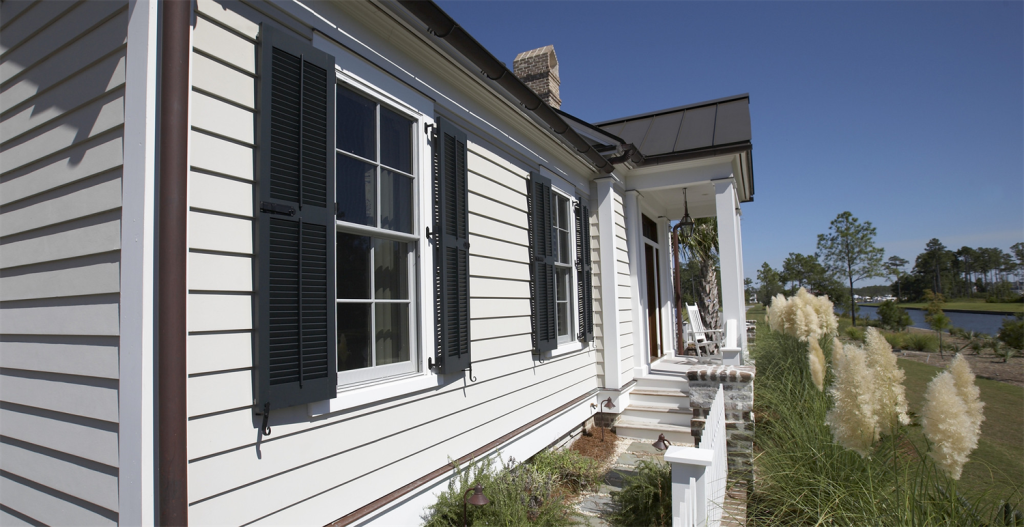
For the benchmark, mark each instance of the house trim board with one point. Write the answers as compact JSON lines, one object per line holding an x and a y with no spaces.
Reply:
{"x":609,"y":281}
{"x":136,"y":483}
{"x":637,"y":279}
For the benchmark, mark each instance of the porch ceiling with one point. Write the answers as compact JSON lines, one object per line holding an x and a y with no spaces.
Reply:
{"x":662,"y":185}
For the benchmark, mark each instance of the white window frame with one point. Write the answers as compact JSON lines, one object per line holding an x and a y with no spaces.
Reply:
{"x":562,"y":188}
{"x":419,"y":255}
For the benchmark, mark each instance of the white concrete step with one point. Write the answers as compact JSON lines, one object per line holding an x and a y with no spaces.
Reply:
{"x":659,"y":414}
{"x":662,"y":381}
{"x":634,"y":429}
{"x":660,"y":396}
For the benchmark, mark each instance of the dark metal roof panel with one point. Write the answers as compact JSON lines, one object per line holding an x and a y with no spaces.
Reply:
{"x":697,"y":130}
{"x":677,"y":108}
{"x":732,"y":124}
{"x":661,"y":138}
{"x":635,"y":131}
{"x":615,"y":129}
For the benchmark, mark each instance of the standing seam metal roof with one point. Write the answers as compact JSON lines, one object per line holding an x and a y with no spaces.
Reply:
{"x":698,"y":126}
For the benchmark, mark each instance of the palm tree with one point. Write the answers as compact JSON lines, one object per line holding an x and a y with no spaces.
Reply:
{"x":701,"y":247}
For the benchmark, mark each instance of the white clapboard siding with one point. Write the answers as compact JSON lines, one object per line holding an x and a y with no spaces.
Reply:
{"x":62,"y":69}
{"x":227,"y":47}
{"x":512,"y":270}
{"x":494,"y":209}
{"x":83,"y":482}
{"x":223,"y":81}
{"x":82,"y":161}
{"x":489,"y":308}
{"x":497,"y":327}
{"x":219,"y":272}
{"x":481,"y":225}
{"x":223,"y":157}
{"x":214,"y":312}
{"x":56,"y":35}
{"x":211,"y":232}
{"x":215,"y":393}
{"x":219,"y":352}
{"x":45,"y":507}
{"x":221,"y":118}
{"x":297,"y":484}
{"x":490,"y":189}
{"x":220,"y":194}
{"x":498,"y":250}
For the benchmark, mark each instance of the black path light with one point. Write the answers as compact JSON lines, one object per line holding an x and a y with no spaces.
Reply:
{"x":477,"y":499}
{"x":662,"y":444}
{"x":607,"y":403}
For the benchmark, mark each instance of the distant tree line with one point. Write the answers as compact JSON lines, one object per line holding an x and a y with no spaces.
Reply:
{"x":847,"y":254}
{"x":987,"y":272}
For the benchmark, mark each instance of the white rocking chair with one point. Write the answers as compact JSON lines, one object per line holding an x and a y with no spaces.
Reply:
{"x":704,"y":339}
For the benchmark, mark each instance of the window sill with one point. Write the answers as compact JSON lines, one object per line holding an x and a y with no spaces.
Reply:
{"x":349,"y":398}
{"x":567,"y":348}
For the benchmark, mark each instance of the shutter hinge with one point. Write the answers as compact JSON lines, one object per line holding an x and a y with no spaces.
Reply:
{"x":430,"y":363}
{"x":265,"y":427}
{"x":430,"y":130}
{"x":470,"y":370}
{"x":274,"y":208}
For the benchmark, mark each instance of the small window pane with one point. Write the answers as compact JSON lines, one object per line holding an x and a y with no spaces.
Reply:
{"x":357,"y":191}
{"x":392,"y":333}
{"x":356,"y":125}
{"x":563,"y":247}
{"x":353,"y":336}
{"x":561,"y":288}
{"x":353,"y":266}
{"x":391,"y":269}
{"x":395,"y":201}
{"x":395,"y":140}
{"x":563,"y":214}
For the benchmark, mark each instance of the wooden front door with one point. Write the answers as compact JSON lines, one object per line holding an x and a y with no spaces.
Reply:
{"x":653,"y":265}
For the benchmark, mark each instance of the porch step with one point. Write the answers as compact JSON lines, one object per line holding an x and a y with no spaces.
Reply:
{"x":658,"y":414}
{"x":663,"y":381}
{"x":660,"y":396}
{"x":632,"y":428}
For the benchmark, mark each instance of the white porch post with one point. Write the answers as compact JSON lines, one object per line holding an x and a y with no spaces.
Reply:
{"x":668,"y":319}
{"x":637,"y":287}
{"x":609,"y":282}
{"x":732,"y":267}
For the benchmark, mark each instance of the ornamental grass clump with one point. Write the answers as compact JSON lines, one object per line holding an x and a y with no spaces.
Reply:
{"x":816,"y":362}
{"x":803,"y":315}
{"x":890,"y":396}
{"x":853,"y":419}
{"x":946,"y":425}
{"x":968,"y":391}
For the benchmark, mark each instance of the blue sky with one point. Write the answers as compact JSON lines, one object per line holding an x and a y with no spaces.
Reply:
{"x":908,"y":114}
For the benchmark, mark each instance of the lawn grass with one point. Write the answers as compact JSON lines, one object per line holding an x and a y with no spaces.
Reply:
{"x":998,"y":463}
{"x":968,"y":304}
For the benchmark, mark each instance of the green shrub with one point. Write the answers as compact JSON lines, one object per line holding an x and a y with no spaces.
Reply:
{"x":855,"y":333}
{"x":574,"y":471}
{"x":1012,"y":332}
{"x":920,"y":342}
{"x":646,"y":498}
{"x":892,"y":316}
{"x":522,"y":494}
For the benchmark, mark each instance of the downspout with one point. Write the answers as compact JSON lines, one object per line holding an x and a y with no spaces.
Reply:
{"x":442,"y":26}
{"x":172,"y":203}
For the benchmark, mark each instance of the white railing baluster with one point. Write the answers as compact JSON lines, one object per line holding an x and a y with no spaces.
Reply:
{"x":699,"y":475}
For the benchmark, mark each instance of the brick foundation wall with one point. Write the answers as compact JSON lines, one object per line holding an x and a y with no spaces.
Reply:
{"x":738,"y":388}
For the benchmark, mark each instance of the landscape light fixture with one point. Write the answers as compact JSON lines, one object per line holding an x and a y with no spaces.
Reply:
{"x":662,"y":444}
{"x":607,"y":403}
{"x":477,"y":499}
{"x":687,"y":221}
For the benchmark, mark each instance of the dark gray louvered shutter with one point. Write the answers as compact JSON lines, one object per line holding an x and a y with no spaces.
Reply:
{"x":451,"y":249}
{"x":295,"y":360}
{"x":542,"y":270}
{"x":584,"y":285}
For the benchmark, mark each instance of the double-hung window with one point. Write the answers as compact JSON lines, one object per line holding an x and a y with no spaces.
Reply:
{"x":376,"y":245}
{"x":563,"y":268}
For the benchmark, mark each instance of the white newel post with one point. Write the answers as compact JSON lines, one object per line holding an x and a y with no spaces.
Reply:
{"x":609,"y":282}
{"x":689,"y":484}
{"x":733,"y":307}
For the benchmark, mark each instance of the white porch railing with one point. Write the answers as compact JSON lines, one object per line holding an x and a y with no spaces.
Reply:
{"x":699,"y":474}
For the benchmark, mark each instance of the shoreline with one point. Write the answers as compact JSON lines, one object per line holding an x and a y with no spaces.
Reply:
{"x":956,"y":310}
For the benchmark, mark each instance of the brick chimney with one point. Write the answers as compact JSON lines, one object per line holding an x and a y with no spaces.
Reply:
{"x":538,"y":69}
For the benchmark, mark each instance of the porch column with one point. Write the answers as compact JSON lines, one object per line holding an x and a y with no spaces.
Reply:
{"x":608,"y":282}
{"x":733,"y":307}
{"x":637,"y":287}
{"x":668,"y":321}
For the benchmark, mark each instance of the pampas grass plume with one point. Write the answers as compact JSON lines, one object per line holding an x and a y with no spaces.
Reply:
{"x":816,"y":358}
{"x":803,"y":315}
{"x":890,"y":395}
{"x":947,"y":425}
{"x":969,"y":393}
{"x":852,"y":419}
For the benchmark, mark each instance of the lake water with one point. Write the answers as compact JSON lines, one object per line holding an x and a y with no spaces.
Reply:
{"x":987,"y":323}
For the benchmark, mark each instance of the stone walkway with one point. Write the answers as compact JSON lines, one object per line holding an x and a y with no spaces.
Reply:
{"x":595,"y":505}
